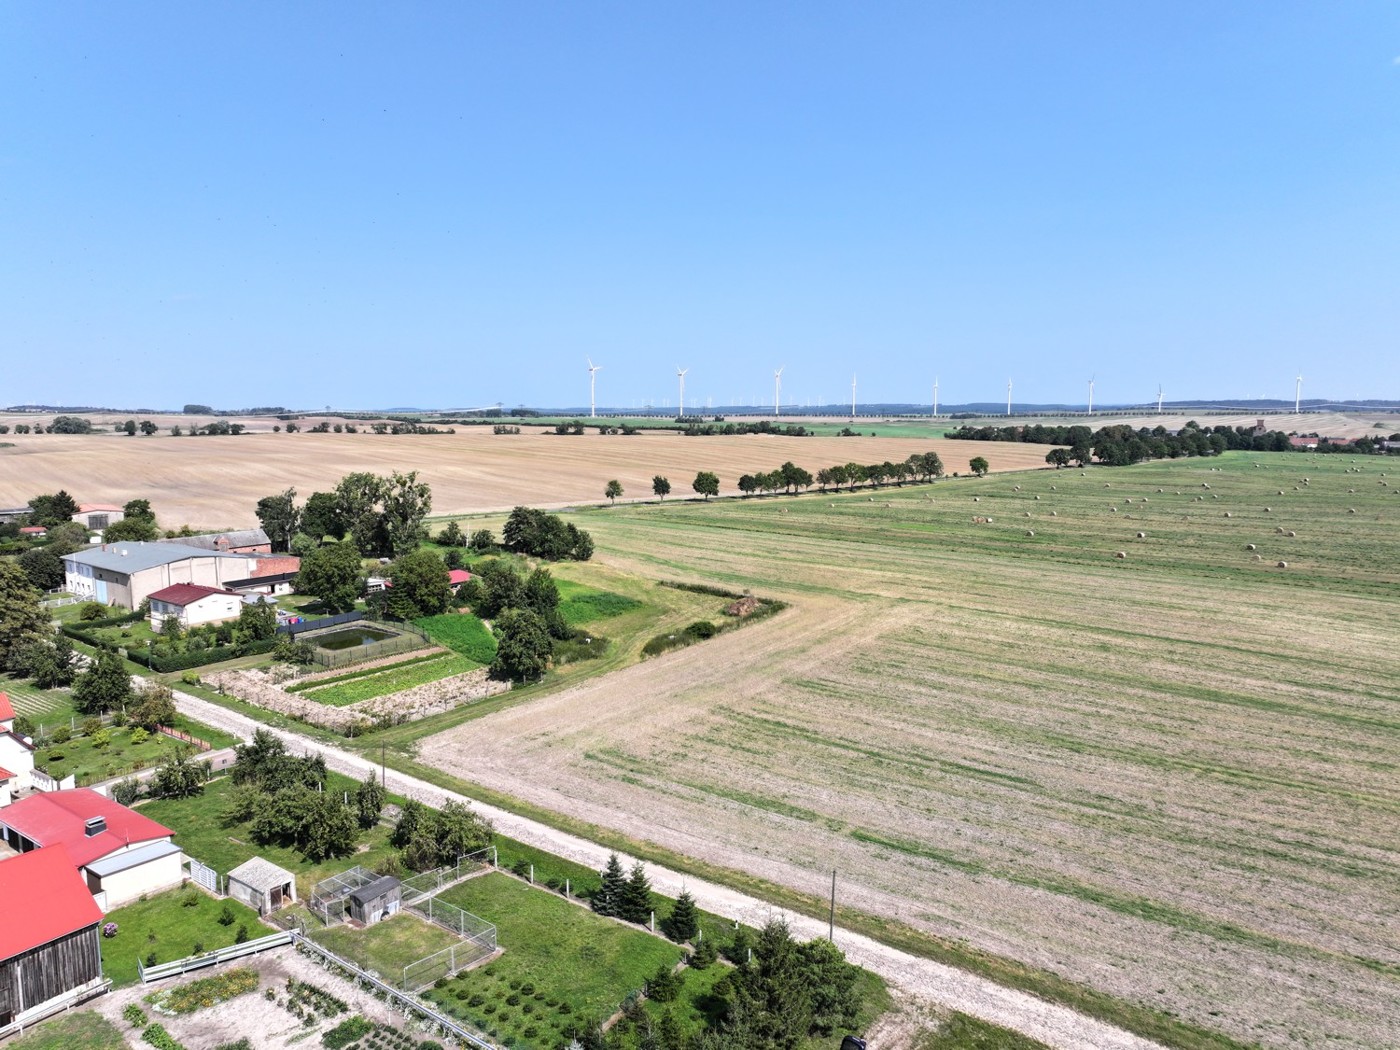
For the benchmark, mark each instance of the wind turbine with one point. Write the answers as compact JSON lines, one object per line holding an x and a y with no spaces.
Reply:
{"x":777,"y":391}
{"x":1091,"y":393}
{"x":1008,"y":397}
{"x":935,"y":395}
{"x":1298,"y":393}
{"x":592,"y":379}
{"x":853,"y":397}
{"x":1159,"y":399}
{"x":680,"y":374}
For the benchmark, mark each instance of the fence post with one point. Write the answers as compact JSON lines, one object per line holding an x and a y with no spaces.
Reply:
{"x":653,"y":922}
{"x":532,"y":874}
{"x":566,"y":889}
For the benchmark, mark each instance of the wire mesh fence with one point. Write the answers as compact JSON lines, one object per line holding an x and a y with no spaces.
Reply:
{"x":427,"y":883}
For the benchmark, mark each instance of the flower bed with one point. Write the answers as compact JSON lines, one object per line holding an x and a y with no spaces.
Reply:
{"x":207,"y":991}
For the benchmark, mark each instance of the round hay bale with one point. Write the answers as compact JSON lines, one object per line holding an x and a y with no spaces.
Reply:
{"x":989,"y":521}
{"x":1214,"y":496}
{"x":1268,"y":510}
{"x":1015,"y":488}
{"x":1144,"y":499}
{"x":1280,"y":492}
{"x":1142,"y":535}
{"x":1351,"y":490}
{"x":1259,"y":557}
{"x":1250,"y":547}
{"x":1107,"y":485}
{"x":976,"y":499}
{"x":1054,"y":514}
{"x":1279,"y":530}
{"x":1113,"y":509}
{"x":1283,"y":565}
{"x":1037,"y":499}
{"x":1227,"y":514}
{"x":1030,"y":532}
{"x":1121,"y":554}
{"x":1159,"y":490}
{"x":1351,"y":510}
{"x":1028,"y":514}
{"x":1053,"y":489}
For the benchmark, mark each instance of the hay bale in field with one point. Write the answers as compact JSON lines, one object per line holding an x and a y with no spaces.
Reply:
{"x":1030,"y":532}
{"x":1280,"y":491}
{"x":1113,"y":509}
{"x":1121,"y":554}
{"x":1054,"y":514}
{"x":1037,"y":499}
{"x":1293,"y":535}
{"x":1228,"y":514}
{"x":1250,"y":547}
{"x":1142,"y":535}
{"x":1279,"y":530}
{"x":1268,"y":510}
{"x":976,"y":499}
{"x":1028,"y":514}
{"x":1015,"y":488}
{"x":1283,"y":565}
{"x":1259,"y":557}
{"x":1351,"y":510}
{"x":1144,"y":499}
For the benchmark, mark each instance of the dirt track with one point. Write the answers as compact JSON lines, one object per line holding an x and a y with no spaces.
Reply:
{"x":918,"y":978}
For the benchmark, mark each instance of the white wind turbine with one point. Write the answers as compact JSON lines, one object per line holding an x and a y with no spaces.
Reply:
{"x":935,"y":395}
{"x":1298,"y":393}
{"x":1159,"y":399}
{"x":777,"y":391}
{"x":853,"y":397}
{"x":1008,"y":397}
{"x":680,"y":374}
{"x":1091,"y":393}
{"x":592,"y":381}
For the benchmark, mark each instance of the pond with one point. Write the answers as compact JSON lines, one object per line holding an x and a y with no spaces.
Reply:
{"x":349,"y":638}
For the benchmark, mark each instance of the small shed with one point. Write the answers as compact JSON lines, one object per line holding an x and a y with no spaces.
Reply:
{"x":376,"y":900}
{"x":262,"y":885}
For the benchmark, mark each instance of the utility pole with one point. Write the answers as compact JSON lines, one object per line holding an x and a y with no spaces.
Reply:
{"x":831,"y":921}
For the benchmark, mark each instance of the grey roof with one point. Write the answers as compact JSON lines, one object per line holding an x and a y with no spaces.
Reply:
{"x":131,"y":858}
{"x":378,"y":888}
{"x":261,"y":875}
{"x":209,"y":540}
{"x":133,"y":557}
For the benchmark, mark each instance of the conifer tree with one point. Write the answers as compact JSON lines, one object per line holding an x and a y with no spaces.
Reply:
{"x":608,"y":899}
{"x":636,"y":896}
{"x":683,"y":923}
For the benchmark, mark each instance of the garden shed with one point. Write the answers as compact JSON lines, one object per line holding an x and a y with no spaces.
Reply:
{"x":376,"y":900}
{"x":262,"y":885}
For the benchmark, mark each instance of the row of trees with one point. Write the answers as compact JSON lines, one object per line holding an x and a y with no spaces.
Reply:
{"x":791,"y":478}
{"x":544,"y":535}
{"x":379,"y":515}
{"x":1121,"y":445}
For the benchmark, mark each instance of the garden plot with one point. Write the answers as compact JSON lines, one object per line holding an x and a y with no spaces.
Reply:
{"x":1169,"y":776}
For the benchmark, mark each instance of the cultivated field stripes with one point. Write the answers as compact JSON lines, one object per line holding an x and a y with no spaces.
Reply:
{"x":1171,"y":776}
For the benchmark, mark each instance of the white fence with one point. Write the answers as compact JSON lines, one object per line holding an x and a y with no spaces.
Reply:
{"x":198,"y":962}
{"x":203,"y":875}
{"x":43,"y":782}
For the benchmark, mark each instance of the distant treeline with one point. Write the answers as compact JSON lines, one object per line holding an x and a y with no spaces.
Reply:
{"x":763,"y":426}
{"x":1120,"y":445}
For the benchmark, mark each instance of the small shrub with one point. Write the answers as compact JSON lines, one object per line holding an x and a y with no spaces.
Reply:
{"x":55,"y":756}
{"x":109,"y":929}
{"x":226,"y":916}
{"x":489,"y":1009}
{"x":159,"y":1038}
{"x":476,"y":1000}
{"x":527,"y":989}
{"x":348,"y":1031}
{"x":62,"y":735}
{"x":151,"y":957}
{"x":134,"y":1015}
{"x":198,"y":948}
{"x":702,"y":629}
{"x":566,"y":1008}
{"x":241,"y":935}
{"x":513,"y":999}
{"x":190,"y":899}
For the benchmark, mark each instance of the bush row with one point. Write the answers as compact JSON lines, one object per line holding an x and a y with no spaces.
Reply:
{"x":186,"y":660}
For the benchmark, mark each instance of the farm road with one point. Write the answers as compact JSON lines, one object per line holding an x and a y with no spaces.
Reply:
{"x":923,"y":979}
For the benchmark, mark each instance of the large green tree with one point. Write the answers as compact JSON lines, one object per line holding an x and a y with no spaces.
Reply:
{"x":321,"y":517}
{"x":43,"y":567}
{"x":420,"y":586}
{"x":357,"y":499}
{"x":370,"y":797}
{"x":67,"y":538}
{"x":523,"y":646}
{"x":131,"y":530}
{"x":280,"y":516}
{"x":51,"y":510}
{"x":706,"y":484}
{"x":613,"y":490}
{"x":104,"y":686}
{"x":978,"y":465}
{"x":660,"y":487}
{"x":332,"y":574}
{"x":607,"y":899}
{"x":22,"y":619}
{"x":407,"y":502}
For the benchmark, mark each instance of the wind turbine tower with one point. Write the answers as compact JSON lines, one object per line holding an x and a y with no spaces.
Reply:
{"x":593,"y":371}
{"x":1091,"y":394}
{"x":680,"y":374}
{"x":1159,"y":399}
{"x":935,"y":395}
{"x":1008,"y":397}
{"x":777,"y":391}
{"x":1297,"y":393}
{"x":853,"y":397}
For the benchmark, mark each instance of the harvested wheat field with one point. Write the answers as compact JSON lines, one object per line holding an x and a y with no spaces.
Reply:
{"x":216,"y":482}
{"x":1172,"y":775}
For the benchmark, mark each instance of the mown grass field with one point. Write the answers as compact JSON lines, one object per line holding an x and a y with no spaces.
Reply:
{"x":1170,"y":777}
{"x":85,"y":1028}
{"x":387,"y":946}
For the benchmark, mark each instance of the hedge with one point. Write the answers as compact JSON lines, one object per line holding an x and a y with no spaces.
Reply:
{"x":199,"y":658}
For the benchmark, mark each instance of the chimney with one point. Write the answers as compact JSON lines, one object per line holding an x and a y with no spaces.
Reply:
{"x":94,"y":826}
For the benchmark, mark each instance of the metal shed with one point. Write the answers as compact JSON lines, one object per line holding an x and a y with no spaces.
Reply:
{"x":376,"y":900}
{"x":261,"y":884}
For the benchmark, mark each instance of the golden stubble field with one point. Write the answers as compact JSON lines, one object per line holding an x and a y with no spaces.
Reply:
{"x":1171,"y":776}
{"x":215,"y":482}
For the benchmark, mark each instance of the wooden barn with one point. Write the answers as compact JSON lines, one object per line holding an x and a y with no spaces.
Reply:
{"x":50,"y":953}
{"x":376,"y":900}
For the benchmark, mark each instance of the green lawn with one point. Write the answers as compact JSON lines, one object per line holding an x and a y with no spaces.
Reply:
{"x":82,"y":1028}
{"x":463,"y":633}
{"x":388,"y":946}
{"x":166,"y":926}
{"x":580,"y":604}
{"x":201,"y":833}
{"x":46,"y":707}
{"x":90,"y":764}
{"x":392,"y":679}
{"x":581,"y":964}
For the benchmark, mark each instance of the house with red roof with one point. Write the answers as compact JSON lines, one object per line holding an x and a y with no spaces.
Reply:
{"x":33,"y":532}
{"x":49,"y":949}
{"x":97,"y":516}
{"x":193,"y":604}
{"x":16,"y":755}
{"x":119,"y":853}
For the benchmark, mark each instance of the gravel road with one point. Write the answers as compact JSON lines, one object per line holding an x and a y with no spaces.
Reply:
{"x":923,"y":979}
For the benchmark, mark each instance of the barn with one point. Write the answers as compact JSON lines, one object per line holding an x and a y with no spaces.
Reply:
{"x":261,"y":884}
{"x":49,"y":948}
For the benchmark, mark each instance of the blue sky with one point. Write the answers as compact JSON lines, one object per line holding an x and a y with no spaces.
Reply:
{"x":455,"y":204}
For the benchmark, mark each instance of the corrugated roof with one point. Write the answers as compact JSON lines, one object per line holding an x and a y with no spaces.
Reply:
{"x":45,"y":899}
{"x":260,"y":874}
{"x":185,"y":593}
{"x":52,"y":817}
{"x":133,"y":557}
{"x":210,"y":541}
{"x":370,"y":890}
{"x":132,"y":858}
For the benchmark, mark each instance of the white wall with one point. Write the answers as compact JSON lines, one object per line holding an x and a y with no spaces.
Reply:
{"x":122,"y":887}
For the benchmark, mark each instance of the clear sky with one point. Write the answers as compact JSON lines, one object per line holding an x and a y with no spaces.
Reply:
{"x":454,"y":204}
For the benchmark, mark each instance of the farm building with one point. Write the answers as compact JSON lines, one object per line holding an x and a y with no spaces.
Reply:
{"x":120,"y":853}
{"x":125,"y":574}
{"x":262,"y":885}
{"x":49,"y":954}
{"x":375,"y":584}
{"x":192,"y":604}
{"x":98,"y":515}
{"x":33,"y":532}
{"x":16,"y":755}
{"x":241,"y":541}
{"x":376,"y":900}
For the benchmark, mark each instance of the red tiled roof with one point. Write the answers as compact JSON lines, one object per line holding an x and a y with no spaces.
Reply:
{"x":185,"y":593}
{"x":52,"y":817}
{"x":456,"y":576}
{"x":84,"y":508}
{"x":33,"y":530}
{"x":6,"y":710}
{"x":5,"y":774}
{"x":45,"y":899}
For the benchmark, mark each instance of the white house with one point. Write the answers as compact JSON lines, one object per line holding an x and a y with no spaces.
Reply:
{"x":193,"y":604}
{"x":98,"y":516}
{"x":16,"y":755}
